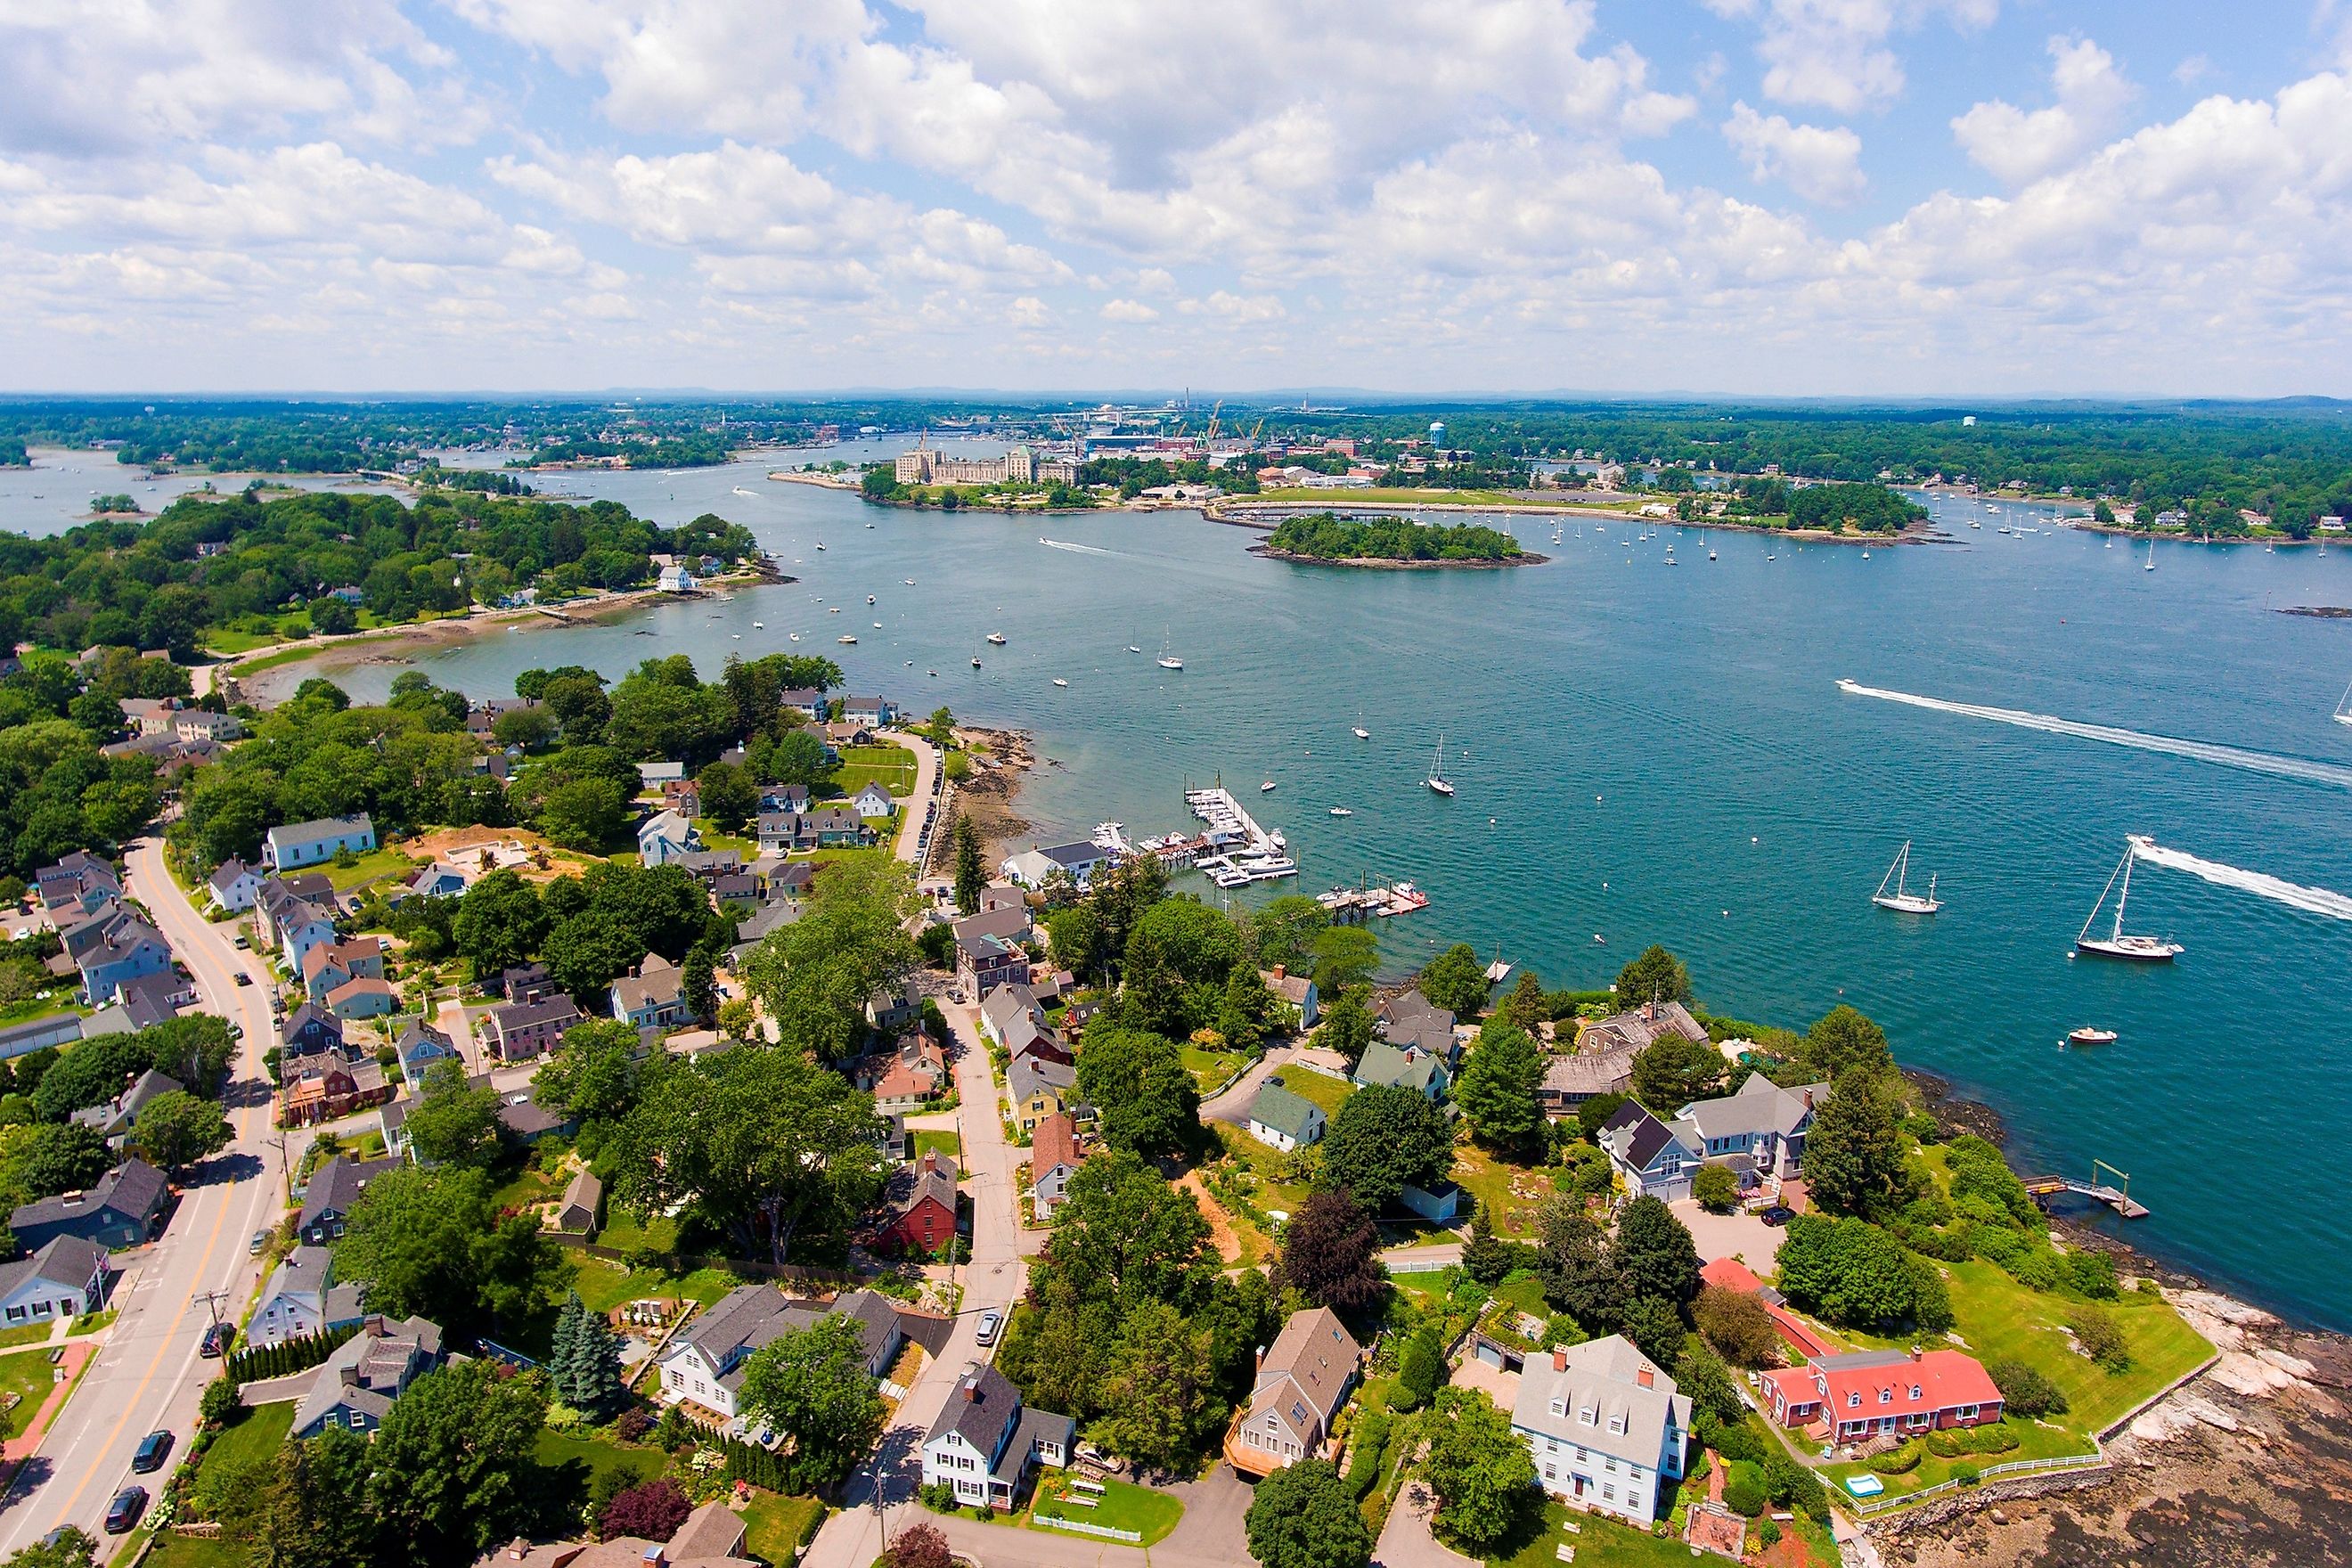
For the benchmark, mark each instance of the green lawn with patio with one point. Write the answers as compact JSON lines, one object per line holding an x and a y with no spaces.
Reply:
{"x":2035,"y":1440}
{"x":1121,"y":1505}
{"x":1600,"y":1542}
{"x":940,"y":1141}
{"x":1320,"y":1089}
{"x":1511,"y":1192}
{"x":604,"y":1286}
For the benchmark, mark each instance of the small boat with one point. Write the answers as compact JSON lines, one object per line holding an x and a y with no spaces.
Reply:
{"x":877,"y":625}
{"x":845,"y":640}
{"x":758,"y":626}
{"x":1438,"y":781}
{"x":2090,"y":1036}
{"x":1059,"y":681}
{"x":2151,"y":564}
{"x":1903,"y":901}
{"x":820,"y":544}
{"x":2344,"y":707}
{"x":1266,"y":788}
{"x":797,"y":637}
{"x":908,"y":580}
{"x":870,"y":598}
{"x":1342,"y":811}
{"x":2117,"y":943}
{"x":1710,"y":555}
{"x":1364,"y":734}
{"x":996,"y":638}
{"x":1132,"y":649}
{"x":1866,"y":555}
{"x":1167,"y":659}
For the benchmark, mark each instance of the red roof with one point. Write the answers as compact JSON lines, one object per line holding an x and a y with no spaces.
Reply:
{"x":1851,"y":1386}
{"x":1731,"y":1274}
{"x":1054,"y":1141}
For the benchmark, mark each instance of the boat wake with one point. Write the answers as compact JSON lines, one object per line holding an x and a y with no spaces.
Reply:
{"x":2311,"y":900}
{"x":2197,"y":751}
{"x":1075,"y":549}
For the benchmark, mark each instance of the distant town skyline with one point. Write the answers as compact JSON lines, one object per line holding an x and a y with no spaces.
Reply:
{"x":1872,"y":198}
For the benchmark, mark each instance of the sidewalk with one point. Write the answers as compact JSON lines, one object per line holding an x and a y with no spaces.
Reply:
{"x":30,"y":1433}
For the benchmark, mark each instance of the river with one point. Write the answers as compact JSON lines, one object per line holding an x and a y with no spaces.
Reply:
{"x":1648,"y":753}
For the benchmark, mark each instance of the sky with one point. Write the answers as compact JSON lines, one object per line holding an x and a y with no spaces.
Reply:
{"x":1782,"y":197}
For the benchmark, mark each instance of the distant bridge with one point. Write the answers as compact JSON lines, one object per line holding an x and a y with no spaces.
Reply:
{"x":2115,"y":1194}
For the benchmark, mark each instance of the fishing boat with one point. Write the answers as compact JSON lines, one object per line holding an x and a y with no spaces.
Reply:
{"x":2116,"y":943}
{"x":996,"y":639}
{"x":1438,"y":781}
{"x":1167,"y":659}
{"x":1342,"y":811}
{"x":2090,"y":1036}
{"x":2344,"y":707}
{"x":1903,"y":901}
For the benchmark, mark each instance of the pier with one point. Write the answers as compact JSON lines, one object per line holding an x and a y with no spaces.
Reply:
{"x":2116,"y":1195}
{"x":1241,"y":851}
{"x":1354,"y":906}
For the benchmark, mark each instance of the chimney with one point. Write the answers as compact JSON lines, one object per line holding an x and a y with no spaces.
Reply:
{"x":654,"y":1556}
{"x":1646,"y":1376}
{"x":1560,"y":1361}
{"x":1809,"y":1100}
{"x":1914,"y":1352}
{"x":1280,"y":970}
{"x":971,"y":1390}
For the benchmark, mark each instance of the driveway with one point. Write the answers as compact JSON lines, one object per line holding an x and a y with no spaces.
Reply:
{"x":1231,"y":1105}
{"x":1405,"y":1540}
{"x":1737,"y":1234}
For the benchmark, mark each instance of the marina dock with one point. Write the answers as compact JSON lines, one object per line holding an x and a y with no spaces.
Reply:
{"x":1241,"y":852}
{"x":1354,"y":906}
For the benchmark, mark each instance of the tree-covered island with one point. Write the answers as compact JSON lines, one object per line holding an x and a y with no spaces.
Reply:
{"x":1392,"y":542}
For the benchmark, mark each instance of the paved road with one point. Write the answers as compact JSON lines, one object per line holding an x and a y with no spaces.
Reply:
{"x":149,"y":1374}
{"x":1233,"y":1103}
{"x":927,"y":782}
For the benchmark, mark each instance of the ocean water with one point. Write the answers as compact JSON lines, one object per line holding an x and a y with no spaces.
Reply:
{"x":1648,"y":753}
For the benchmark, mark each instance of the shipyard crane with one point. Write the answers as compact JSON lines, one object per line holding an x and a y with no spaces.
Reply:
{"x":1210,"y":437}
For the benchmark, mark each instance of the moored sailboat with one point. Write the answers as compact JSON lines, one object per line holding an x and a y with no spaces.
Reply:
{"x":1902,"y":900}
{"x":2117,"y":943}
{"x":1438,"y":781}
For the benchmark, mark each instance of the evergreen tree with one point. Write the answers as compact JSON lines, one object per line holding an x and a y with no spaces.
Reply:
{"x":595,"y":1366}
{"x":969,"y":876}
{"x":1526,"y":1006}
{"x":701,"y":985}
{"x":563,"y":1356}
{"x":1347,"y":1025}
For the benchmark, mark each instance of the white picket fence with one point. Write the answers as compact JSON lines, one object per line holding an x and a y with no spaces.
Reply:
{"x":1132,"y":1537}
{"x":1868,"y":1507}
{"x":1419,"y":1265}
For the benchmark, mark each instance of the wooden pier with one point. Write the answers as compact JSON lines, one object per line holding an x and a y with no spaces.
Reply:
{"x":2116,"y":1195}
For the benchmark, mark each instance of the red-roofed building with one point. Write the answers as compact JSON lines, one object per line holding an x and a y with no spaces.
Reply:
{"x":1871,"y":1393}
{"x":1730,"y":1274}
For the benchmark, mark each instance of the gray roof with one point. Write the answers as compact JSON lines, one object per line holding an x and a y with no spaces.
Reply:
{"x":1603,"y":1376}
{"x":1286,"y":1112}
{"x":933,"y":1176}
{"x":524,"y":1014}
{"x":134,"y":1187}
{"x":66,"y":1260}
{"x":1589,"y":1073}
{"x":984,"y":1400}
{"x":1029,"y":1075}
{"x":368,"y":1370}
{"x":1305,"y":1376}
{"x":1760,"y":1106}
{"x":300,"y":833}
{"x":1636,"y":1136}
{"x":1082,"y":853}
{"x":307,"y":1271}
{"x":337,"y":1185}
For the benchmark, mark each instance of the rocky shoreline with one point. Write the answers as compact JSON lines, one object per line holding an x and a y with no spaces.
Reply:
{"x":987,"y":795}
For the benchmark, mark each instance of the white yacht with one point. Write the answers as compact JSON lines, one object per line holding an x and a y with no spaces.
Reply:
{"x":1902,"y":900}
{"x":2116,"y":943}
{"x":1167,"y":659}
{"x":2344,"y":707}
{"x":996,"y":639}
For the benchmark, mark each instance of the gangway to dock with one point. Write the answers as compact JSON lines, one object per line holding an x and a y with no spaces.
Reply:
{"x":2116,"y":1195}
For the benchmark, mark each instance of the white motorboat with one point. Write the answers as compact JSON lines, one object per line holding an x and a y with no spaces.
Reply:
{"x":1132,"y":649}
{"x":2117,"y":943}
{"x":845,"y":640}
{"x":870,"y":598}
{"x":1342,"y":811}
{"x":1364,"y":734}
{"x":1902,"y":900}
{"x":1059,"y":681}
{"x":1265,"y":788}
{"x":2090,"y":1036}
{"x":996,"y":638}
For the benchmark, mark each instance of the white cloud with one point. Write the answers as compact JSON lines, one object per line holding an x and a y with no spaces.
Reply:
{"x":1820,"y":164}
{"x":1128,"y":311}
{"x":2016,"y":145}
{"x":1834,"y":54}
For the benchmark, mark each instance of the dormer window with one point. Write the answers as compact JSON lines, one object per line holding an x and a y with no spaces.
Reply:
{"x":1559,"y":1407}
{"x":1853,"y":1399}
{"x":1915,"y":1391}
{"x":1886,"y":1396}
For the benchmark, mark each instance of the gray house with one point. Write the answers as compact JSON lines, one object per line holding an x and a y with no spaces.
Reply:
{"x":1284,"y":1120}
{"x":356,"y":1386}
{"x":121,"y":1210}
{"x":312,"y":843}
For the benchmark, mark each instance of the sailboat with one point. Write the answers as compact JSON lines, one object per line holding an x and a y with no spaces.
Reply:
{"x":2344,"y":707}
{"x":1903,"y":901}
{"x":975,"y":658}
{"x":2116,"y":943}
{"x":2151,"y":564}
{"x":1438,"y":781}
{"x":1167,"y":659}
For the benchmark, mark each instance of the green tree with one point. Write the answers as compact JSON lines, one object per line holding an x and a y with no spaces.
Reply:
{"x":584,"y":814}
{"x":798,"y":758}
{"x":1139,"y":1085}
{"x":431,"y":1244}
{"x":1347,"y":1025}
{"x":763,"y":1142}
{"x":1286,"y":930}
{"x":811,"y":1385}
{"x":1657,"y":976}
{"x":1382,"y":1140}
{"x":1420,"y":1366}
{"x":1526,"y":1007}
{"x":1330,"y":1254}
{"x":1455,"y":980}
{"x":1736,"y":1324}
{"x":455,"y":1472}
{"x":1247,"y":1011}
{"x":1498,"y":1089}
{"x":1672,"y":1072}
{"x":1653,"y":1254}
{"x":1848,"y":1270}
{"x":67,"y":1547}
{"x":1480,"y":1470}
{"x":728,"y":794}
{"x":1572,"y":1260}
{"x":595,"y":1072}
{"x":1845,"y":1041}
{"x":1160,"y":1407}
{"x":1716,"y":1188}
{"x":699,"y":983}
{"x":1346,"y":956}
{"x":500,"y":923}
{"x":1854,"y":1155}
{"x":1305,"y":1516}
{"x":177,"y":1129}
{"x":453,"y":1122}
{"x":1126,"y":1237}
{"x":563,"y":1349}
{"x":970,"y":876}
{"x":851,"y":941}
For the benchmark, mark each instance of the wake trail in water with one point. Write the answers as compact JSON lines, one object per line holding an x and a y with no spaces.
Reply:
{"x":2311,"y":900}
{"x":2197,"y":751}
{"x":1076,"y":549}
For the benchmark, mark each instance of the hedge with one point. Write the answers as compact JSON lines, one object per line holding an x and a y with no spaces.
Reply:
{"x":258,"y":1362}
{"x":1901,"y":1461}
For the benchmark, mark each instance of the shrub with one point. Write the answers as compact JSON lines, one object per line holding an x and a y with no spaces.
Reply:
{"x":1793,"y":1486}
{"x":921,"y":1545}
{"x":2092,"y":1274}
{"x":2099,"y":1337}
{"x":1997,"y":1438}
{"x":1372,"y":1447}
{"x":632,"y":1425}
{"x":2025,"y":1392}
{"x":1901,"y":1461}
{"x":1716,"y":1188}
{"x":1768,"y":1534}
{"x":1967,"y":1475}
{"x":1946,"y":1444}
{"x":987,"y":1512}
{"x":653,"y":1512}
{"x":1744,"y":1490}
{"x":1735,"y":1441}
{"x":2037,"y":1267}
{"x":939,"y":1497}
{"x":219,"y":1402}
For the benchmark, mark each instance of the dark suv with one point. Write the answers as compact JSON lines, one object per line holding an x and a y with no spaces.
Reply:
{"x":124,"y":1510}
{"x":152,"y":1448}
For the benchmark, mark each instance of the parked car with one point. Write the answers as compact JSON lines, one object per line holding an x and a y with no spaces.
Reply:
{"x":124,"y":1510}
{"x":1779,"y":1213}
{"x":217,"y":1338}
{"x":152,"y":1448}
{"x":236,"y":1031}
{"x":243,"y":978}
{"x":244,"y":941}
{"x":992,"y":1322}
{"x":259,"y":1245}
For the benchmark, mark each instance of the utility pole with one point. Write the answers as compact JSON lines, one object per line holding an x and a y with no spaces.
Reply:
{"x":214,"y":1301}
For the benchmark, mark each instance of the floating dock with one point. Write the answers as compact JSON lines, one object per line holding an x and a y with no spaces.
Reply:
{"x":1354,"y":906}
{"x":2116,"y":1196}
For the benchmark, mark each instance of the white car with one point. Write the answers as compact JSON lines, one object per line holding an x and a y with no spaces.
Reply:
{"x":992,"y":1322}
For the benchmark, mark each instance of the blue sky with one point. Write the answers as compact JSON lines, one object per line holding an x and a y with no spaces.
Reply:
{"x":1856,"y":197}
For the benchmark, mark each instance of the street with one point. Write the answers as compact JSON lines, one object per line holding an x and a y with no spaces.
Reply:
{"x":148,"y":1374}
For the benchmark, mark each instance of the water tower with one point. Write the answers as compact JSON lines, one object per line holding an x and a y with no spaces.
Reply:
{"x":1437,"y":433}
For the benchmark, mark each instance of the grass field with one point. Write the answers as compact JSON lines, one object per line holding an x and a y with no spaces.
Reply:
{"x":892,"y":767}
{"x":92,"y":1322}
{"x":2001,"y":1319}
{"x":774,"y":1525}
{"x":943,"y":1141}
{"x":1212,"y":1070}
{"x":1318,"y":1090}
{"x":367,"y":869}
{"x":1511,"y":1192}
{"x":26,"y":1375}
{"x":594,"y":1455}
{"x":257,"y":1431}
{"x":176,"y":1550}
{"x":24,"y":1334}
{"x":604,"y":1286}
{"x":1122,"y":1506}
{"x":1599,"y":1543}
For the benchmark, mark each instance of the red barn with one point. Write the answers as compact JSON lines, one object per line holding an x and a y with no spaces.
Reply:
{"x":923,"y":1206}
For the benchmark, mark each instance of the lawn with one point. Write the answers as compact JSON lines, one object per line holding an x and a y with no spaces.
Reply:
{"x":2034,"y":1441}
{"x":26,"y":1375}
{"x":1267,"y":1171}
{"x":604,"y":1286}
{"x":1320,"y":1089}
{"x":258,"y":1430}
{"x":775,"y":1525}
{"x":626,"y":1232}
{"x":173,"y":1550}
{"x":1600,"y":1542}
{"x":92,"y":1322}
{"x":527,"y":1185}
{"x":2001,"y":1319}
{"x":1122,"y":1506}
{"x":43,"y":1007}
{"x":716,"y":839}
{"x":892,"y":767}
{"x":366,"y":867}
{"x":1212,"y":1070}
{"x":944,"y":1141}
{"x":24,"y":1334}
{"x":559,"y":1450}
{"x":1511,"y":1192}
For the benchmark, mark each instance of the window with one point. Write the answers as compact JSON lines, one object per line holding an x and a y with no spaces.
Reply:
{"x":1853,"y":1399}
{"x":16,"y":1314}
{"x":1886,"y":1396}
{"x":1915,"y":1391}
{"x":1609,"y":1492}
{"x":1609,"y":1465}
{"x":1559,"y":1407}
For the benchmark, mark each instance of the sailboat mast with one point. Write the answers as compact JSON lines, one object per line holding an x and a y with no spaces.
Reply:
{"x":2090,"y":918}
{"x":2124,"y":893}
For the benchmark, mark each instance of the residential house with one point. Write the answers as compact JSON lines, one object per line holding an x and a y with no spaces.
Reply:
{"x":356,"y":1386}
{"x":1296,"y":990}
{"x":1284,"y":1120}
{"x":792,"y":798}
{"x":1409,"y":1022}
{"x":583,"y":1201}
{"x":308,"y":1030}
{"x":809,"y":704}
{"x":326,"y":1086}
{"x":520,"y":1030}
{"x":683,"y":797}
{"x":303,"y":1299}
{"x":675,"y":579}
{"x":121,"y":1209}
{"x":142,"y":1003}
{"x":330,"y":965}
{"x":111,"y":947}
{"x":1413,"y":1067}
{"x":713,"y":1536}
{"x":653,"y":776}
{"x":234,"y":886}
{"x":923,"y":1200}
{"x":1007,"y":922}
{"x":524,"y":982}
{"x":983,"y":1443}
{"x":908,"y":1075}
{"x":873,"y":803}
{"x":1571,"y":1080}
{"x":1871,"y":1394}
{"x":1008,"y":1011}
{"x":1032,"y":868}
{"x":295,"y":922}
{"x":1607,"y":1429}
{"x":150,"y":715}
{"x":79,"y":880}
{"x":1038,"y":1088}
{"x":438,"y":880}
{"x":898,"y":1009}
{"x":984,"y":962}
{"x":702,"y":1365}
{"x":334,"y":1187}
{"x":1759,"y":1129}
{"x":56,"y":1029}
{"x":115,"y":1120}
{"x":1635,"y":1031}
{"x":203,"y":724}
{"x":1053,"y":1159}
{"x":362,"y":997}
{"x":652,"y":998}
{"x":1302,"y":1382}
{"x":308,"y":842}
{"x":874,"y":712}
{"x":1650,"y":1155}
{"x":826,"y":828}
{"x":665,"y":836}
{"x":64,"y":1280}
{"x":844,"y":733}
{"x":524,"y":1120}
{"x":419,"y":1047}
